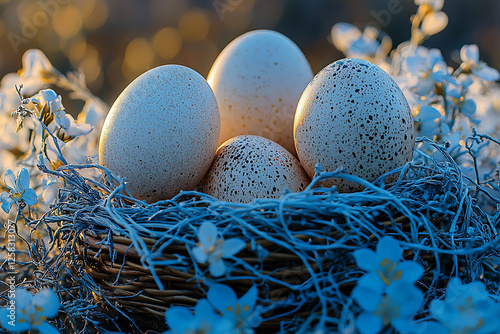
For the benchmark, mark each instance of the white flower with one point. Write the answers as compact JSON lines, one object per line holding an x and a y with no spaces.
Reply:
{"x":30,"y":312}
{"x":35,"y":64}
{"x":49,"y":97}
{"x":213,"y":249}
{"x":50,"y":188}
{"x":470,"y":62}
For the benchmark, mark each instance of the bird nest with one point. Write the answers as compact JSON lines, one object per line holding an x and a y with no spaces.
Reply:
{"x":118,"y":260}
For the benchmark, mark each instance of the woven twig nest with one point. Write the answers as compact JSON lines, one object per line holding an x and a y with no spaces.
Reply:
{"x":137,"y":258}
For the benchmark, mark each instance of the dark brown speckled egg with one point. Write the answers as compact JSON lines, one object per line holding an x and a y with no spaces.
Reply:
{"x":248,"y":167}
{"x":353,"y":115}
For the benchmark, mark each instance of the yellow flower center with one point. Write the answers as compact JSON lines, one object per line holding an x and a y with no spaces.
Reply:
{"x":388,"y":272}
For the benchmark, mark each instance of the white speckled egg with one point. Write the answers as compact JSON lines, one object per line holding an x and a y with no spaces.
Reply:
{"x":248,"y":167}
{"x":162,"y":132}
{"x":353,"y":116}
{"x":258,"y":79}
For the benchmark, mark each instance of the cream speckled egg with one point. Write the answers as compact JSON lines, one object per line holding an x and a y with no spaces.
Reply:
{"x":248,"y":167}
{"x":353,"y":116}
{"x":258,"y":79}
{"x":162,"y":132}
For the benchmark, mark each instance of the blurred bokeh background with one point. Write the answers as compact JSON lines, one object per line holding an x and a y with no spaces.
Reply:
{"x":113,"y":41}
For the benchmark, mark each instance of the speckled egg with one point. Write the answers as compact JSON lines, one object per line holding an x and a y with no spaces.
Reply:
{"x":248,"y":167}
{"x":258,"y":79}
{"x":353,"y":115}
{"x":162,"y":132}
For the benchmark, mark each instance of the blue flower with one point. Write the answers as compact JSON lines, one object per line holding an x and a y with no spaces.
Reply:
{"x":27,"y":312}
{"x":239,"y":311}
{"x":20,"y":191}
{"x":469,"y":54}
{"x":394,"y":307}
{"x":213,"y":249}
{"x":425,"y":70}
{"x":386,"y":265}
{"x":222,"y":313}
{"x":466,"y":309}
{"x":205,"y":320}
{"x":457,"y":100}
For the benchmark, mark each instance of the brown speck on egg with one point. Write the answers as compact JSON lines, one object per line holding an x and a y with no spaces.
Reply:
{"x":353,"y":116}
{"x":248,"y":167}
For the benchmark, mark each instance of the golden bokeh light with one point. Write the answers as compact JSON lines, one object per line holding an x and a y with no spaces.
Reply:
{"x":194,"y":25}
{"x":76,"y":49}
{"x":167,"y":43}
{"x":139,"y":57}
{"x":90,"y":64}
{"x":97,"y":14}
{"x":67,"y":22}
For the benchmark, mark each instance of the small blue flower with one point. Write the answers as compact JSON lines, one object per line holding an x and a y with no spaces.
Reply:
{"x":213,"y":249}
{"x":469,"y":54}
{"x":386,"y":265}
{"x":205,"y":320}
{"x":457,"y":100}
{"x":466,"y":309}
{"x":20,"y":191}
{"x":395,"y":307}
{"x":239,"y":311}
{"x":27,"y":312}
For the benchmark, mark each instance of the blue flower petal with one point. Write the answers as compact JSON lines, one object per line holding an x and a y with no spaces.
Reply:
{"x":47,"y":300}
{"x":411,"y":271}
{"x":369,"y":323}
{"x":10,"y":180}
{"x":200,"y":255}
{"x":365,"y":259}
{"x":372,"y":281}
{"x":487,"y":73}
{"x":4,"y":321}
{"x":406,"y":325}
{"x":222,"y":298}
{"x":46,"y":328}
{"x":368,"y":299}
{"x":430,"y":327}
{"x":23,"y":179}
{"x":388,"y":248}
{"x":232,"y":246}
{"x":6,"y":206}
{"x":179,"y":318}
{"x":207,"y":234}
{"x":247,"y":301}
{"x":217,"y":267}
{"x":203,"y":311}
{"x":407,"y":296}
{"x":30,"y":197}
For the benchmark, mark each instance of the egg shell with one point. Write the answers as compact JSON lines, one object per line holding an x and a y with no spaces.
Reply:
{"x":247,"y":167}
{"x":162,"y":132}
{"x":353,"y":116}
{"x":258,"y":79}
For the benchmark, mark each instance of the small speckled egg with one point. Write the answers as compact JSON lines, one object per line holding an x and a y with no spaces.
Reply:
{"x":258,"y":79}
{"x":248,"y":167}
{"x":353,"y":115}
{"x":162,"y":132}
